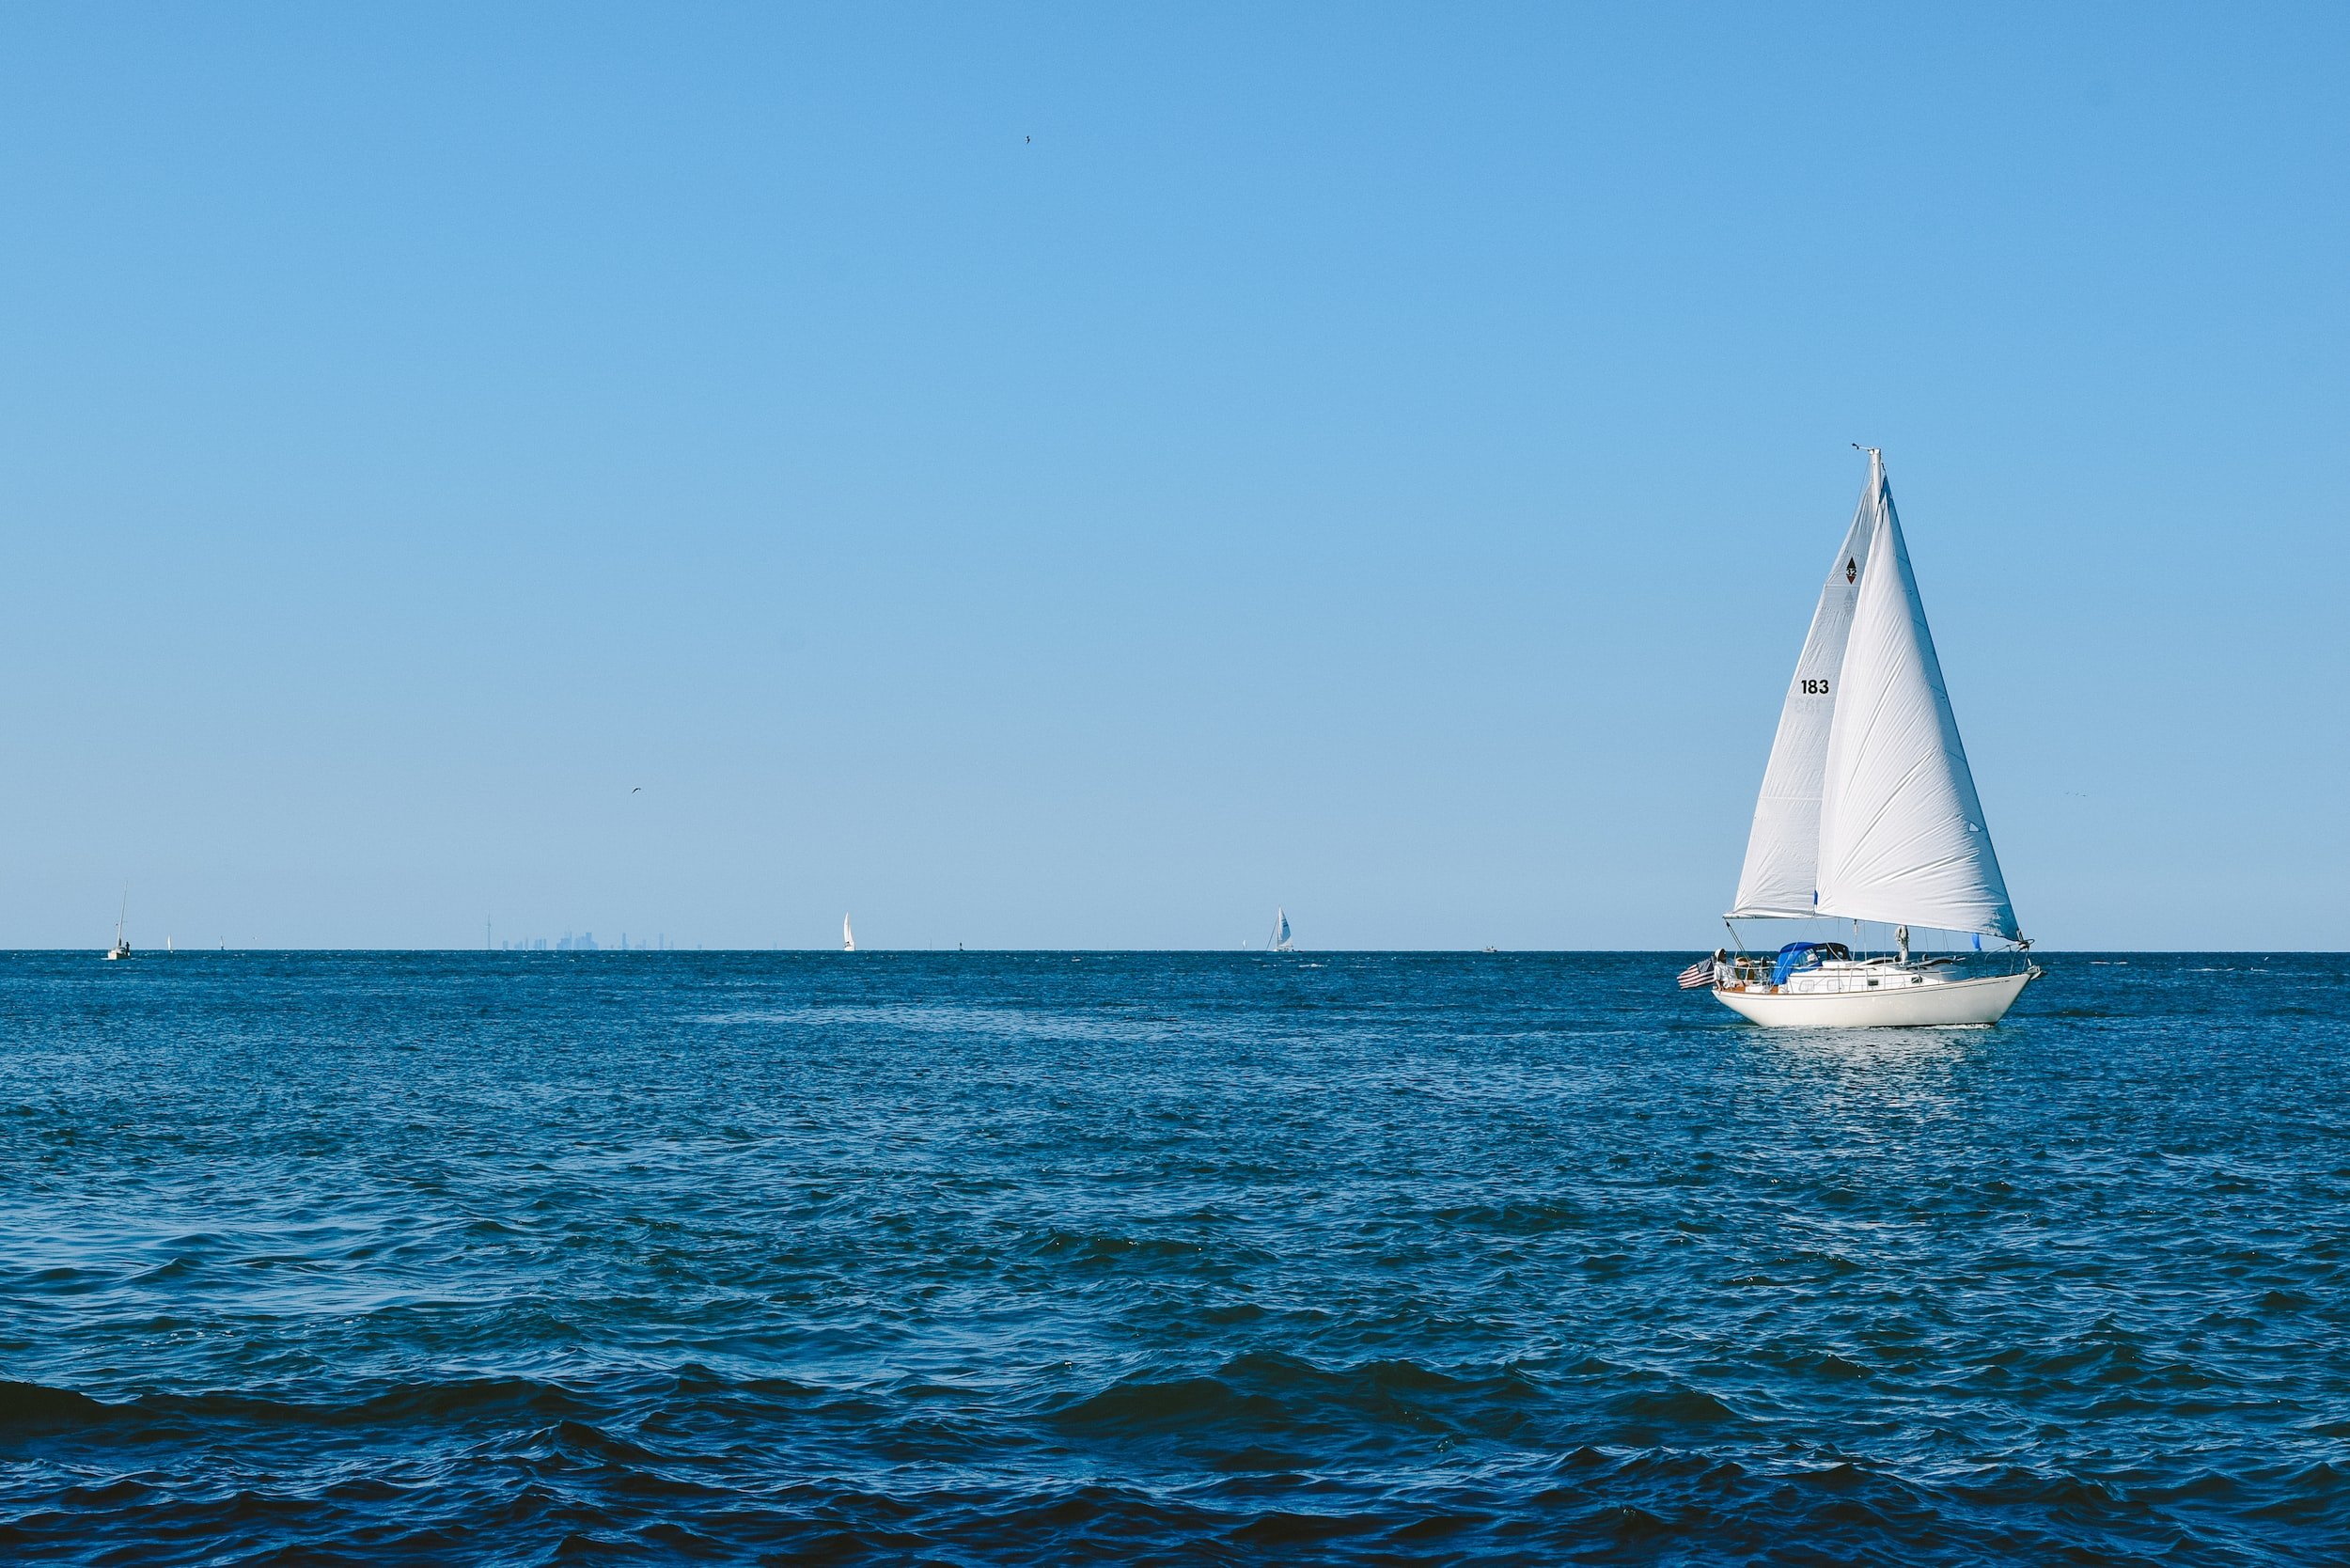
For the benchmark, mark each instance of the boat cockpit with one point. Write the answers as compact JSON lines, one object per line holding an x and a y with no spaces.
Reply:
{"x":1811,"y":968}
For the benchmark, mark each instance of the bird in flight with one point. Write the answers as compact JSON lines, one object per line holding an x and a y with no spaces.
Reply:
{"x":638,"y":791}
{"x":1027,"y":138}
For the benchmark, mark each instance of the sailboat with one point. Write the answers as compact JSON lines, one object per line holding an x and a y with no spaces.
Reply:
{"x":1867,"y":812}
{"x":1280,"y":942}
{"x":848,"y":937}
{"x":122,"y":946}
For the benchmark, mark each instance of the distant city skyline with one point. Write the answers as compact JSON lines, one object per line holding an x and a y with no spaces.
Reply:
{"x":583,"y":942}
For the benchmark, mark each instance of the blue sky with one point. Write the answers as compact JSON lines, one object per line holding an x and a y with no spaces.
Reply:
{"x":1084,"y":476}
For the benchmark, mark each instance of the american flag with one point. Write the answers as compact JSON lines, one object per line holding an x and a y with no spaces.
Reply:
{"x":1697,"y":975}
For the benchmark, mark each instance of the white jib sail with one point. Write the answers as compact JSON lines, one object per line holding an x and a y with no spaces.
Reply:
{"x":1783,"y":849}
{"x":1902,"y":834}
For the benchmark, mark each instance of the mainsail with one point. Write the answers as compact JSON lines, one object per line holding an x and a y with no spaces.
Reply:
{"x":1782,"y":851}
{"x":1902,"y":834}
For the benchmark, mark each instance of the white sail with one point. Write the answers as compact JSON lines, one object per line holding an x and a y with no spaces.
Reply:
{"x":848,"y":937}
{"x":1781,"y":871}
{"x":1902,"y":834}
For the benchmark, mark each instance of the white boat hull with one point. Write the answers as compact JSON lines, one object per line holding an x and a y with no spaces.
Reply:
{"x":1984,"y":1000}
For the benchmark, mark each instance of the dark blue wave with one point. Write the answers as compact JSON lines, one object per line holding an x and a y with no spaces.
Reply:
{"x":999,"y":1259}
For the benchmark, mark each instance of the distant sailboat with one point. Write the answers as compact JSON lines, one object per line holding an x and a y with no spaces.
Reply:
{"x":1280,"y":941}
{"x":1867,"y":812}
{"x":122,"y":947}
{"x":848,"y":937}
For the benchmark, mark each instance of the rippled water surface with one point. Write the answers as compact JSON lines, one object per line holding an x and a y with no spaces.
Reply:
{"x":996,"y":1259}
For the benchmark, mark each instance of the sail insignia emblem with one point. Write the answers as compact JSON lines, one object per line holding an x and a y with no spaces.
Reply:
{"x":1852,"y":572}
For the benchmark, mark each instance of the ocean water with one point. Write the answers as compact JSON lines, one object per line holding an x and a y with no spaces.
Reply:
{"x":974,"y":1259}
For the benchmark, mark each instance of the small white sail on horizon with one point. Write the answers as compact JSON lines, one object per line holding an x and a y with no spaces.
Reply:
{"x":122,"y":947}
{"x":848,"y":937}
{"x":1868,"y":809}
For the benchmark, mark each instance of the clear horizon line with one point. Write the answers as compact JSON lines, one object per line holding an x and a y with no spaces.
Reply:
{"x":865,"y":952}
